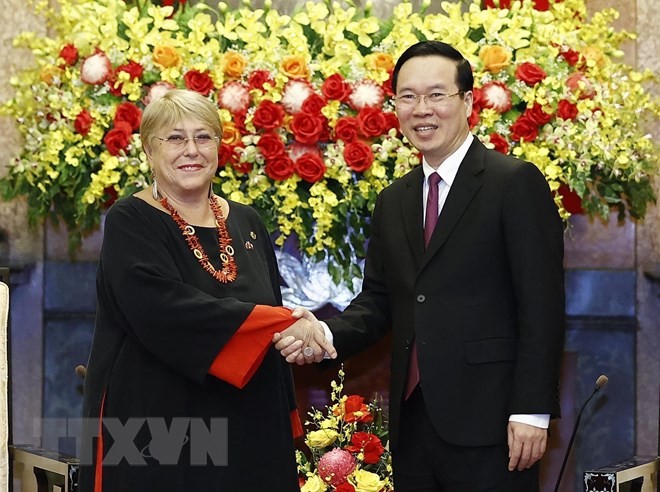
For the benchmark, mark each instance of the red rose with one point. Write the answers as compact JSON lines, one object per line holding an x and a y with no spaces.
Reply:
{"x":371,"y":122}
{"x":524,"y":129}
{"x":336,"y":88}
{"x":358,"y":156}
{"x":346,"y":129}
{"x":228,"y":154}
{"x":571,"y":57}
{"x":270,"y":145}
{"x":391,"y":121}
{"x":268,"y":115}
{"x":530,"y":73}
{"x":258,"y":78}
{"x":114,"y":86}
{"x":541,"y":5}
{"x":473,"y":120}
{"x":387,"y":85}
{"x":345,"y":487}
{"x":499,"y":142}
{"x":368,"y":444}
{"x":134,"y":69}
{"x":198,"y":81}
{"x":538,"y":115}
{"x":477,"y":97}
{"x":310,"y":167}
{"x":110,"y":195}
{"x":83,"y":122}
{"x":129,"y":113}
{"x":313,"y":104}
{"x":566,"y":110}
{"x":307,"y":128}
{"x":279,"y":168}
{"x":118,"y":138}
{"x":502,"y":4}
{"x":242,"y":167}
{"x":69,"y":53}
{"x":571,"y":201}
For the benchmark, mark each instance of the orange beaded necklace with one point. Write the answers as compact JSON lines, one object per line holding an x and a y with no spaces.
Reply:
{"x":228,"y":273}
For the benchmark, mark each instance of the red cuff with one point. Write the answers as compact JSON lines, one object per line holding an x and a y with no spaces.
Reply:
{"x":242,"y":355}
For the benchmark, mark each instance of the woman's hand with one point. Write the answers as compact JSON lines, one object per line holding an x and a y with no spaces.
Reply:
{"x":304,"y":341}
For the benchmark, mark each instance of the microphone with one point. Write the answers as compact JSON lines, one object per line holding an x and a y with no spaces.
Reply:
{"x":600,"y":382}
{"x":81,"y":371}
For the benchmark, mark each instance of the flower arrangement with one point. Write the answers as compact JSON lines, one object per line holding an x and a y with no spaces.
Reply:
{"x":310,"y":133}
{"x":347,"y":445}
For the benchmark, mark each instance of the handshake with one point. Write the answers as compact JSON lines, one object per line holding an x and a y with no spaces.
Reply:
{"x":304,"y":341}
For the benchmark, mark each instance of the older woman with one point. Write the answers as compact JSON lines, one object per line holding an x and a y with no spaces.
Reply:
{"x":184,"y":391}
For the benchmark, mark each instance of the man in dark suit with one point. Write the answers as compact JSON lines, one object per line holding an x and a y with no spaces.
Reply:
{"x":476,"y":307}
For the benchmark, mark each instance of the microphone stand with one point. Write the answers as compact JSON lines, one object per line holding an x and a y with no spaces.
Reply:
{"x":600,"y":382}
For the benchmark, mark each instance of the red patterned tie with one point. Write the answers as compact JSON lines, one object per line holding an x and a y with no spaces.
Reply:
{"x":429,"y":225}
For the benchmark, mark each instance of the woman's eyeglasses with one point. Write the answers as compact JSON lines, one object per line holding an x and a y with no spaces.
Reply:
{"x":179,"y":142}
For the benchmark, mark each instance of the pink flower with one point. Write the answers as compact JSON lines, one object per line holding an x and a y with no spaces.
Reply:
{"x":580,"y":85}
{"x":234,"y":96}
{"x":497,"y":96}
{"x":335,"y":466}
{"x":366,"y":93}
{"x":95,"y":69}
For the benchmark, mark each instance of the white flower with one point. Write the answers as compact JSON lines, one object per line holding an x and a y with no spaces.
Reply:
{"x":496,"y":96}
{"x":156,"y":91}
{"x":234,"y":96}
{"x":366,"y":93}
{"x":294,"y":95}
{"x":95,"y":69}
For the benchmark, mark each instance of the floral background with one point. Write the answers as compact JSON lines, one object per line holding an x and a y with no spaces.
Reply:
{"x":310,"y":135}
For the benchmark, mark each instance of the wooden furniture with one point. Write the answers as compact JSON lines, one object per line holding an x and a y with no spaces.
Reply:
{"x":639,"y":474}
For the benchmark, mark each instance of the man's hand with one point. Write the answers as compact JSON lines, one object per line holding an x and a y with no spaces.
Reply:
{"x":526,"y":445}
{"x":306,"y":333}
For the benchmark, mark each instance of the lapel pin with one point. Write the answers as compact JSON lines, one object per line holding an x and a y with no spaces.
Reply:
{"x":249,"y":245}
{"x":253,"y":235}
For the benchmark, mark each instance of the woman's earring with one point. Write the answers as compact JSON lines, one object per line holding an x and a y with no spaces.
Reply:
{"x":211,"y":190}
{"x":154,"y":190}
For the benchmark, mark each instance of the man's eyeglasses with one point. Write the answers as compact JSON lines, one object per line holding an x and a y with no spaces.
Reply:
{"x":406,"y":101}
{"x":178,"y":142}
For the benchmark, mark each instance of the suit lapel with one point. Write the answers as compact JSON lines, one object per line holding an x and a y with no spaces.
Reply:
{"x":466,"y":184}
{"x":411,"y":208}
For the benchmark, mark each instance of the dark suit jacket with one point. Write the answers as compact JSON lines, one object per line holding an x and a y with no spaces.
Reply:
{"x":484,"y":302}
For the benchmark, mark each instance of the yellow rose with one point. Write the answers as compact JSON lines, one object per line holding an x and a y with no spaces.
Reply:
{"x":314,"y":484}
{"x":294,"y":66}
{"x":365,"y":481}
{"x":379,"y":61}
{"x":166,"y":56}
{"x":494,"y":58}
{"x":230,"y":134}
{"x":321,"y":438}
{"x":234,"y":65}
